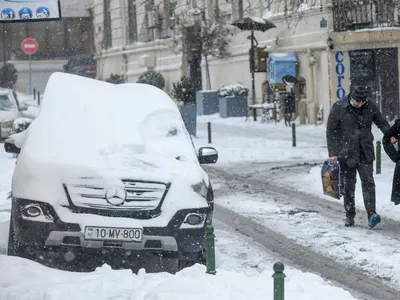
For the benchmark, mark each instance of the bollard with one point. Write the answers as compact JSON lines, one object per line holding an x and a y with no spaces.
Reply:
{"x":378,"y":157}
{"x":294,"y":134}
{"x":38,"y":98}
{"x":209,"y":132}
{"x":210,"y":250}
{"x":34,"y":93}
{"x":279,"y":281}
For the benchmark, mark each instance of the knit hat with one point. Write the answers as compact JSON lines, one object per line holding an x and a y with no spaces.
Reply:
{"x":360,"y":93}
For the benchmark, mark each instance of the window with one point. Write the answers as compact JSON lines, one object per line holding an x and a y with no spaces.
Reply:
{"x":132,"y":22}
{"x":107,"y":37}
{"x":6,"y":103}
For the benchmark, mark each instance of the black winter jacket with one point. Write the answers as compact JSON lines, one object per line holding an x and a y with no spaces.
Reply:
{"x":349,"y":131}
{"x":394,"y":155}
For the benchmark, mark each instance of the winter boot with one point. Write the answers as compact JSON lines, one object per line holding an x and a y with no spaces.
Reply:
{"x":349,"y":221}
{"x":373,"y":219}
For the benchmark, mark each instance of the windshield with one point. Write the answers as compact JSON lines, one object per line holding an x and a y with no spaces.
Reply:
{"x":6,"y":102}
{"x":165,"y":134}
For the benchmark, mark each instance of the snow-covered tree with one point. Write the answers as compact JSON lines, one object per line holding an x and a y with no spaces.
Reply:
{"x":215,"y":42}
{"x":153,"y":78}
{"x":212,"y":38}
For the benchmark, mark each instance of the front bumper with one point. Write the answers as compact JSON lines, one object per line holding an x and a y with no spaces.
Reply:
{"x":45,"y":234}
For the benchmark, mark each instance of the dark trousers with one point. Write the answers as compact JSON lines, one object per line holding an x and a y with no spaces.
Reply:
{"x":288,"y":117}
{"x":366,"y":172}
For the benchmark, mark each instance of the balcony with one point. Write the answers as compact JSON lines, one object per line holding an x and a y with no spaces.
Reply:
{"x":350,"y":15}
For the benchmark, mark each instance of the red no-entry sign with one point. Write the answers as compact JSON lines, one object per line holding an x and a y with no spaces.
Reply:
{"x":29,"y":46}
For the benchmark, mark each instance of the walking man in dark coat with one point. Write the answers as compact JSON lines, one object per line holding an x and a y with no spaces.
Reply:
{"x":391,"y":136}
{"x":350,"y":141}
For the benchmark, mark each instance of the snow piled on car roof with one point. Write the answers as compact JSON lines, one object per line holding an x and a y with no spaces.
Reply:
{"x":82,"y":119}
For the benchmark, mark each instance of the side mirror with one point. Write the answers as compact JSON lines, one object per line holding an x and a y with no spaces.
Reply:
{"x":208,"y":155}
{"x":10,"y":147}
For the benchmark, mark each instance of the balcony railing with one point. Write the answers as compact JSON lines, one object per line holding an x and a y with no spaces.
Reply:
{"x":349,"y":15}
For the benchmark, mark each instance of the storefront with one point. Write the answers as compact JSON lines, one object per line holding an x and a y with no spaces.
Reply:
{"x":377,"y":68}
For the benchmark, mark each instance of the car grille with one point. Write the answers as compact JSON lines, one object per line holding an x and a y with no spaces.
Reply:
{"x":140,"y":195}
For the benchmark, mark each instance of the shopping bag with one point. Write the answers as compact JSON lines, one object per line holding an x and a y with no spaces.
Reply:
{"x":332,"y":179}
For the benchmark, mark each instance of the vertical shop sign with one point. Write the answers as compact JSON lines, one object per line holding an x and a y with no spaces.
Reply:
{"x":340,"y":69}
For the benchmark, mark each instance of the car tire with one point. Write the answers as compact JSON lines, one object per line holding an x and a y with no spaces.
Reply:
{"x":187,"y":263}
{"x":170,"y":265}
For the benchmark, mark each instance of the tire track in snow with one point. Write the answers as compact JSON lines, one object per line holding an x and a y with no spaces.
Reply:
{"x":355,"y":279}
{"x":351,"y":276}
{"x":233,"y":183}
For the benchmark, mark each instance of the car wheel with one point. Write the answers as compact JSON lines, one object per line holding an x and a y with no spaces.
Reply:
{"x":170,"y":265}
{"x":187,"y":263}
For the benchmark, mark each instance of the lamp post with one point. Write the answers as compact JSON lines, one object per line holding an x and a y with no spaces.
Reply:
{"x":253,"y":83}
{"x":195,"y":48}
{"x":4,"y":44}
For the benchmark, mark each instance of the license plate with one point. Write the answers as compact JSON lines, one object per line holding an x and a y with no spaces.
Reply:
{"x":114,"y":234}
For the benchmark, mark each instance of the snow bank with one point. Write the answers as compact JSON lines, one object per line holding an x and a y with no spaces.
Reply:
{"x":29,"y":280}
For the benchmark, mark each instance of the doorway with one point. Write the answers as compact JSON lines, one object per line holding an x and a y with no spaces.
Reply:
{"x":378,"y":69}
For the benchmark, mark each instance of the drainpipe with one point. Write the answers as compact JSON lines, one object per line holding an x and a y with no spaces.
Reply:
{"x":311,"y":111}
{"x":311,"y":69}
{"x":124,"y":37}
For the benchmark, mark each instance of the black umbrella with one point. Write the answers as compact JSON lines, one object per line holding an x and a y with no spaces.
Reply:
{"x":252,"y":24}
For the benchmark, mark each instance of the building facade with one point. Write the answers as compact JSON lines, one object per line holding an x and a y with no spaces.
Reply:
{"x":57,"y":41}
{"x":333,"y":47}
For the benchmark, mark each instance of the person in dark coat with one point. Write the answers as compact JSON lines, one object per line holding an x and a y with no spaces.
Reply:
{"x":288,"y":105}
{"x":350,"y":141}
{"x":391,"y":137}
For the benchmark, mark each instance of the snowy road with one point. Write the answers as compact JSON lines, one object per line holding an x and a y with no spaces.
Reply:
{"x":308,"y":229}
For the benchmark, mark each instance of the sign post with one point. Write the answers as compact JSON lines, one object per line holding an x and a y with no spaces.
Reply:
{"x":29,"y":46}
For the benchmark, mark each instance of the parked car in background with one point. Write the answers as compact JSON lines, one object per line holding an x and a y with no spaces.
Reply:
{"x":10,"y":110}
{"x":82,"y":65}
{"x":109,"y":177}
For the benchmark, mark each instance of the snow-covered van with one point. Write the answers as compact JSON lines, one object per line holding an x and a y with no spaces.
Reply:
{"x":109,"y":170}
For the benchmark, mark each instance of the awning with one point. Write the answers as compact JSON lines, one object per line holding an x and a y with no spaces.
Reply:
{"x":273,"y":57}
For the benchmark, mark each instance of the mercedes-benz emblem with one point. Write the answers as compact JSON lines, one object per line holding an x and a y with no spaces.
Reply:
{"x":116,"y":195}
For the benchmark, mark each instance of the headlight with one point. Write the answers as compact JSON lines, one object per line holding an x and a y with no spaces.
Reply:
{"x":34,"y":212}
{"x":201,"y":189}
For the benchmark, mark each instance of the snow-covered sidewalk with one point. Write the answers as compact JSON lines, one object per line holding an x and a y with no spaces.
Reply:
{"x":252,"y":143}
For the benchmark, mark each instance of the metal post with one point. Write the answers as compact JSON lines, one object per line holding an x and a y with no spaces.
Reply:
{"x":34,"y":93}
{"x":210,"y":250}
{"x":378,"y":157}
{"x":4,"y":44}
{"x":30,"y":75}
{"x":209,"y":132}
{"x":294,"y":134}
{"x":279,"y":281}
{"x":38,"y":98}
{"x":253,"y":84}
